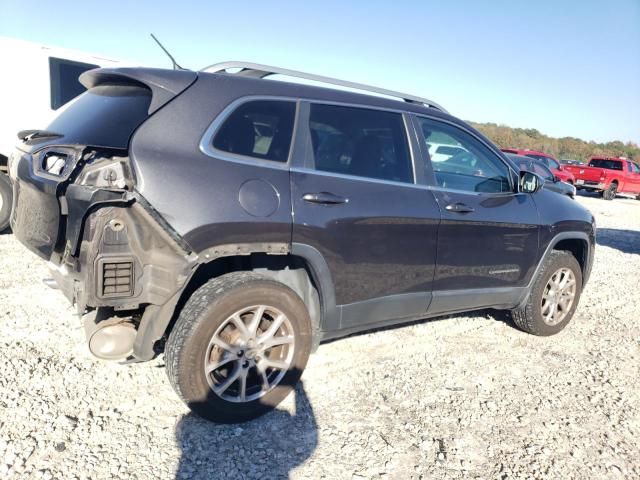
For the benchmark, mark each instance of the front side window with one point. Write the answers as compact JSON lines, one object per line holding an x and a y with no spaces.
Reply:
{"x":541,"y":170}
{"x":471,"y":166}
{"x":360,"y":142}
{"x":259,"y":129}
{"x":634,"y":167}
{"x":63,"y":78}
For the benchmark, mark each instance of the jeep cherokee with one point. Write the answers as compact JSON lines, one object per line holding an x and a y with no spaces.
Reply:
{"x":235,"y":222}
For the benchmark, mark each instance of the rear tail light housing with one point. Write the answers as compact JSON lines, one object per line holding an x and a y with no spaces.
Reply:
{"x":56,"y":162}
{"x":107,"y":172}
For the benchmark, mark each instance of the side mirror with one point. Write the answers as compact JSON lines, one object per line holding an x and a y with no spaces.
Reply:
{"x":530,"y":182}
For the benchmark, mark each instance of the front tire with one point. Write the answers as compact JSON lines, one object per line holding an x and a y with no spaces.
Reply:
{"x":6,"y":198}
{"x":553,"y":298}
{"x":238,"y":347}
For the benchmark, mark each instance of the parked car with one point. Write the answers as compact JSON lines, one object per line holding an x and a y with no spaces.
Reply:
{"x":439,"y":152}
{"x":548,"y":160}
{"x":551,"y":182}
{"x":609,"y":176}
{"x":570,"y":161}
{"x":245,"y":221}
{"x":32,"y":100}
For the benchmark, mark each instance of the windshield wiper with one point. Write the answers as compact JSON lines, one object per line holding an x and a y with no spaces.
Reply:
{"x":30,"y":135}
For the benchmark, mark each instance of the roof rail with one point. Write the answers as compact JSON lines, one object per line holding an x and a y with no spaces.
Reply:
{"x":256,"y":70}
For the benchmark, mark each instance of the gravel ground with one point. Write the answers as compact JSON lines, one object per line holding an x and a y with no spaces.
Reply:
{"x":458,"y":397}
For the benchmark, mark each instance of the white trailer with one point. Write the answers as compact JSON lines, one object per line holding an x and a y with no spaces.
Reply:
{"x":37,"y":81}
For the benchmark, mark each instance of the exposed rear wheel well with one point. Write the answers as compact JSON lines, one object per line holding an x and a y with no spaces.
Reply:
{"x":290,"y":270}
{"x":577,"y":247}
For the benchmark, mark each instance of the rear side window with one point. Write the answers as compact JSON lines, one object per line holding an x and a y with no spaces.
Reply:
{"x":104,"y":116}
{"x":608,"y":164}
{"x":260,"y":129}
{"x":360,"y":142}
{"x":63,"y":78}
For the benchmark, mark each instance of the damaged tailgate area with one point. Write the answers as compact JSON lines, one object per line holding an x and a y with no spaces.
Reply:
{"x":76,"y":206}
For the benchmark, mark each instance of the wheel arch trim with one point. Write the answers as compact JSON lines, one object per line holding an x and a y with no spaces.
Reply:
{"x":573,"y":235}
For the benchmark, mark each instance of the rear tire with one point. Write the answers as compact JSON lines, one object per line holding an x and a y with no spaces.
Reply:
{"x":610,"y":193}
{"x":241,"y":383}
{"x":6,"y":198}
{"x":537,"y":315}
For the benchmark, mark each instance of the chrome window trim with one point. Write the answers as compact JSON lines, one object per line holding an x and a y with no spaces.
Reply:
{"x":418,"y":186}
{"x":206,"y":144}
{"x":206,"y":141}
{"x":345,"y":176}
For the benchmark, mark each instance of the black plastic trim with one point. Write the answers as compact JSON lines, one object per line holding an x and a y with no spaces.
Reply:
{"x":322,"y":277}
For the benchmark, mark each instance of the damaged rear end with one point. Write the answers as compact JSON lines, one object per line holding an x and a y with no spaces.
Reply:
{"x":76,"y":206}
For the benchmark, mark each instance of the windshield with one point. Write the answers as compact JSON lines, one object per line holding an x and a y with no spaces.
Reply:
{"x":104,"y":116}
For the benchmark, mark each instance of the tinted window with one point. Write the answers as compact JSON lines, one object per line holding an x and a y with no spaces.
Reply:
{"x":64,"y":82}
{"x":549,"y":162}
{"x":104,"y":116}
{"x":260,"y":129}
{"x":531,"y":166}
{"x":475,"y":168}
{"x":608,"y":164}
{"x":359,"y":141}
{"x":634,"y":167}
{"x":541,"y":170}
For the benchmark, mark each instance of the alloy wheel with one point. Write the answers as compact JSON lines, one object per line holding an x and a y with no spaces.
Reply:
{"x":249,"y":353}
{"x":558,"y":296}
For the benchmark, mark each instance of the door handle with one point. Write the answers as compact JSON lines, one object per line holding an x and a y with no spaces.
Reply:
{"x":459,"y":208}
{"x":324,"y":198}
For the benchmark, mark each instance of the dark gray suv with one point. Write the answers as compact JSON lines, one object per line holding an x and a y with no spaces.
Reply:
{"x":235,"y":222}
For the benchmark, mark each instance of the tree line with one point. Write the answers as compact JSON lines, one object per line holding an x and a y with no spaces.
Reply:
{"x":565,"y":147}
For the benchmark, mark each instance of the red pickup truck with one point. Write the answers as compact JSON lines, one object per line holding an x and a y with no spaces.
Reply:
{"x":608,"y":175}
{"x":549,"y":161}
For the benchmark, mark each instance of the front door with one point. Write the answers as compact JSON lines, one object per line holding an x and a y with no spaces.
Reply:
{"x":634,"y":178}
{"x":355,"y":200}
{"x":488,"y":237}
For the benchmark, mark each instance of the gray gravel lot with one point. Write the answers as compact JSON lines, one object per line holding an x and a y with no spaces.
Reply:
{"x":466,"y":396}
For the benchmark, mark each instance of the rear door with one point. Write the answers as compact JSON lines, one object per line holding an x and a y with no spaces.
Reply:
{"x":488,"y":238}
{"x":355,"y":200}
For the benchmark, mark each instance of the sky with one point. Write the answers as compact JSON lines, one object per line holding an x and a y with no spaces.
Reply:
{"x":564,"y":67}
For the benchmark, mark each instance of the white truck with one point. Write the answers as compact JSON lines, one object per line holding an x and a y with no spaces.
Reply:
{"x":37,"y":81}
